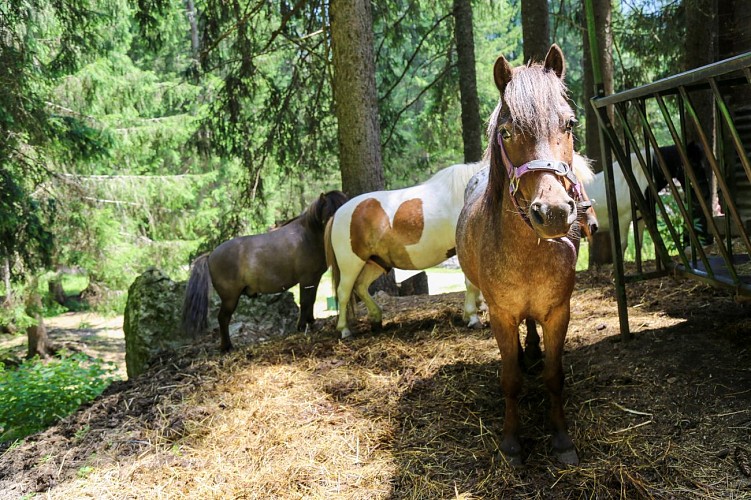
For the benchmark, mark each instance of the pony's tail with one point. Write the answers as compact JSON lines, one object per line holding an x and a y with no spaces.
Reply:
{"x":335,"y":272}
{"x":196,"y":303}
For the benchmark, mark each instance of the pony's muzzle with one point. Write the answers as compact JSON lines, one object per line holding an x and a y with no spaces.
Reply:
{"x":553,"y":218}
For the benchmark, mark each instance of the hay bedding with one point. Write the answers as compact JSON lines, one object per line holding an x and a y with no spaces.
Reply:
{"x":415,"y":411}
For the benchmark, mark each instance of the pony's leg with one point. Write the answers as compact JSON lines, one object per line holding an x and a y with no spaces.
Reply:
{"x":554,"y":333}
{"x":368,"y":275}
{"x":506,"y":332}
{"x":344,"y":297}
{"x":471,"y":305}
{"x":226,"y":310}
{"x":308,"y":293}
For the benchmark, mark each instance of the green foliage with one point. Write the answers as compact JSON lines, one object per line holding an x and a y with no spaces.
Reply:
{"x":35,"y":395}
{"x":15,"y":314}
{"x":648,"y":40}
{"x":41,"y":41}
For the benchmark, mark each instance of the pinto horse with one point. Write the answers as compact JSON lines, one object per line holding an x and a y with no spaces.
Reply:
{"x":263,"y":263}
{"x":410,"y":228}
{"x":517,"y":236}
{"x":596,"y":189}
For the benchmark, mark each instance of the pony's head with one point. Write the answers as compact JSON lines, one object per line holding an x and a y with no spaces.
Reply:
{"x":327,"y":204}
{"x":531,"y":145}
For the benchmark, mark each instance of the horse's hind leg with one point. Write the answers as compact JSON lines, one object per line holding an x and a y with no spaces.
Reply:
{"x":471,"y":305}
{"x":554,"y":333}
{"x":226,"y":310}
{"x":368,"y":275}
{"x":344,"y":297}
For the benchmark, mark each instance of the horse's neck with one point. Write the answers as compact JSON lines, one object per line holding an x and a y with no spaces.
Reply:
{"x":641,"y":177}
{"x":308,"y":222}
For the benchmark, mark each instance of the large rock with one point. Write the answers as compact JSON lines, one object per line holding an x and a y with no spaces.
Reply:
{"x":153,"y":313}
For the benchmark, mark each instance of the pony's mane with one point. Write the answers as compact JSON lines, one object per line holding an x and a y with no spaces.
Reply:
{"x":582,"y":167}
{"x":311,"y":215}
{"x":534,"y":101}
{"x":456,"y":177}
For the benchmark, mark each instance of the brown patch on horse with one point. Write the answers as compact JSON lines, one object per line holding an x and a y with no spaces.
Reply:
{"x":373,"y":237}
{"x":409,"y":222}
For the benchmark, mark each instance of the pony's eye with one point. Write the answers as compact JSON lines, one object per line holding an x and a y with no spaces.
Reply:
{"x":571,"y":124}
{"x":505,"y":134}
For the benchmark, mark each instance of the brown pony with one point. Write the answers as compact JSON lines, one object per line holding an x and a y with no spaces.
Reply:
{"x":263,"y":263}
{"x":518,"y":234}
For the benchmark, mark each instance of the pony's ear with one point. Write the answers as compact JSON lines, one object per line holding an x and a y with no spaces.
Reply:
{"x":554,"y":61}
{"x":501,"y":73}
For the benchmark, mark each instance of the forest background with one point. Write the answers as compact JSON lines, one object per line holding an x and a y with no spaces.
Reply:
{"x":137,"y":134}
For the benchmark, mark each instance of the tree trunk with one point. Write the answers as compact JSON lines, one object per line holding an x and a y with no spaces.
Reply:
{"x":604,"y":34}
{"x":6,"y":280}
{"x":465,"y":48}
{"x":39,"y":344}
{"x":701,"y":49}
{"x":191,"y":11}
{"x":535,"y":29}
{"x":356,"y":103}
{"x":56,"y":290}
{"x":600,"y":251}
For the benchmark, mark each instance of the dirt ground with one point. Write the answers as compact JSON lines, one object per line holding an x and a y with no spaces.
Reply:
{"x":416,"y":411}
{"x":90,"y":333}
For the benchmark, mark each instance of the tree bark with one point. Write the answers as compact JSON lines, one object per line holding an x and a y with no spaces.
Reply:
{"x":56,"y":290}
{"x":470,"y":102}
{"x":6,"y":280}
{"x":356,"y":103}
{"x":701,"y":48}
{"x":600,"y":251}
{"x":604,"y":34}
{"x":192,"y":20}
{"x":535,"y":29}
{"x":39,"y":343}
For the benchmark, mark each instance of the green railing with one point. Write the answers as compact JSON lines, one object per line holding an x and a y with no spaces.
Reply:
{"x":664,"y":113}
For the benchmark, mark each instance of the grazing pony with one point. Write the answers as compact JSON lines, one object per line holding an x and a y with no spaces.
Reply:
{"x":517,"y":236}
{"x":410,"y":228}
{"x":596,"y":189}
{"x":263,"y":263}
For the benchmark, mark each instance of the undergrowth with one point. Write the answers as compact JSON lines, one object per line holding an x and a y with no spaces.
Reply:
{"x":38,"y":393}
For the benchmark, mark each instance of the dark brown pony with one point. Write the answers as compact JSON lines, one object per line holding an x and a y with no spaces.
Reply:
{"x":263,"y":263}
{"x":518,"y":235}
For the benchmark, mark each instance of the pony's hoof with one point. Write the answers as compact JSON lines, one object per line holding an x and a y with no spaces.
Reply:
{"x":474,"y":322}
{"x":511,"y":451}
{"x":567,"y":457}
{"x":513,"y":459}
{"x":346,"y":333}
{"x":224,"y":349}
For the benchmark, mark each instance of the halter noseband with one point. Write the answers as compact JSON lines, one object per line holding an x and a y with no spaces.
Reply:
{"x":559,"y":168}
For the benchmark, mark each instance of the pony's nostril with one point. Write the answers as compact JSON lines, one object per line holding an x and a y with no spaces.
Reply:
{"x":538,"y":207}
{"x":572,"y":207}
{"x":537,"y":211}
